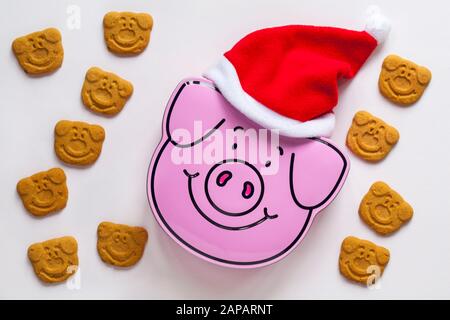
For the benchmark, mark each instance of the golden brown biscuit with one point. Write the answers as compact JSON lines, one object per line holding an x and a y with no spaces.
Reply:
{"x":127,"y":32}
{"x":360,"y":259}
{"x":78,"y":143}
{"x":54,"y":260}
{"x":104,"y":92}
{"x":370,"y":137}
{"x":383,"y":209}
{"x":44,"y":192}
{"x":402,"y":81}
{"x":39,"y":52}
{"x":119,"y":244}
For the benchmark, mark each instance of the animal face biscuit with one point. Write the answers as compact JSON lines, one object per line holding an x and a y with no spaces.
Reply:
{"x":77,"y":142}
{"x":370,"y":137}
{"x":44,"y":192}
{"x":402,"y":81}
{"x":104,"y":92}
{"x":39,"y":52}
{"x":359,"y":259}
{"x":119,"y":244}
{"x":383,"y":209}
{"x":54,"y":260}
{"x":127,"y":32}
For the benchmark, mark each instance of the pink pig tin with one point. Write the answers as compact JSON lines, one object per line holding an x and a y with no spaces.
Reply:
{"x":233,"y":209}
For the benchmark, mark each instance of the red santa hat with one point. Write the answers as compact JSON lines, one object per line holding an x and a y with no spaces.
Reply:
{"x":286,"y":78}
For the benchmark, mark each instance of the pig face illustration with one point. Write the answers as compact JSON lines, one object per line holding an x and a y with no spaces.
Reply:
{"x":234,"y":211}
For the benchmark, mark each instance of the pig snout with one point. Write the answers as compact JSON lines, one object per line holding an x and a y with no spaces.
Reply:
{"x":234,"y":187}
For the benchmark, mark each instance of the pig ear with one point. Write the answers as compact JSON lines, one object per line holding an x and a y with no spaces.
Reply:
{"x":19,"y":45}
{"x":392,"y":62}
{"x":104,"y":230}
{"x":350,"y":244}
{"x":125,"y":89}
{"x":317,"y":172}
{"x":392,"y":135}
{"x":406,"y":211}
{"x":383,"y":255}
{"x":93,"y":74}
{"x":69,"y":245}
{"x":140,"y":235}
{"x":196,"y":110}
{"x":62,"y":127}
{"x":56,"y":175}
{"x":52,"y":35}
{"x":97,"y":133}
{"x":423,"y":75}
{"x":145,"y":21}
{"x":110,"y":19}
{"x":361,"y":118}
{"x":24,"y":186}
{"x":380,"y":188}
{"x":35,"y":252}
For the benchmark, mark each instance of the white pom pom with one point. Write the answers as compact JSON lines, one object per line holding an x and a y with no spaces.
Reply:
{"x":377,"y":25}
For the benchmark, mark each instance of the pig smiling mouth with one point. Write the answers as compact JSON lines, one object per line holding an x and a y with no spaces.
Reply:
{"x":192,"y":176}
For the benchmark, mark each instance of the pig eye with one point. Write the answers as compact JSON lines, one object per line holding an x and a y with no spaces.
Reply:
{"x":223,"y":178}
{"x":280,"y":149}
{"x":248,"y":190}
{"x":268,"y":163}
{"x":234,"y":146}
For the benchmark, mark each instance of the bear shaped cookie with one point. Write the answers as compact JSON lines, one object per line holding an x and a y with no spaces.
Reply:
{"x":120,"y":245}
{"x":54,"y":260}
{"x":44,"y":192}
{"x":383,"y":209}
{"x":371,"y":138}
{"x":403,"y":81}
{"x":360,"y":259}
{"x":39,"y":52}
{"x":78,"y":143}
{"x":105,"y":92}
{"x":127,"y":33}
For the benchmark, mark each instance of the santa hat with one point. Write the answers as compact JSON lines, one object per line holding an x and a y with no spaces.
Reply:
{"x":285,"y":78}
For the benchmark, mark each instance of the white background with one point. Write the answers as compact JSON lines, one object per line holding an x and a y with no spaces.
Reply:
{"x":189,"y":36}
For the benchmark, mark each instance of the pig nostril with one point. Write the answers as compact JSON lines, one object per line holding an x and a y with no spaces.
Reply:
{"x":223,"y":178}
{"x":248,"y":190}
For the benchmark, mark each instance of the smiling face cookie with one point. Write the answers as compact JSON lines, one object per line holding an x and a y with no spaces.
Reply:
{"x":402,"y":81}
{"x":359,"y":259}
{"x":54,"y":260}
{"x":119,"y":244}
{"x":127,"y":32}
{"x":39,"y":52}
{"x":78,"y":143}
{"x":104,"y":92}
{"x":44,"y":192}
{"x":370,"y":137}
{"x":383,"y":209}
